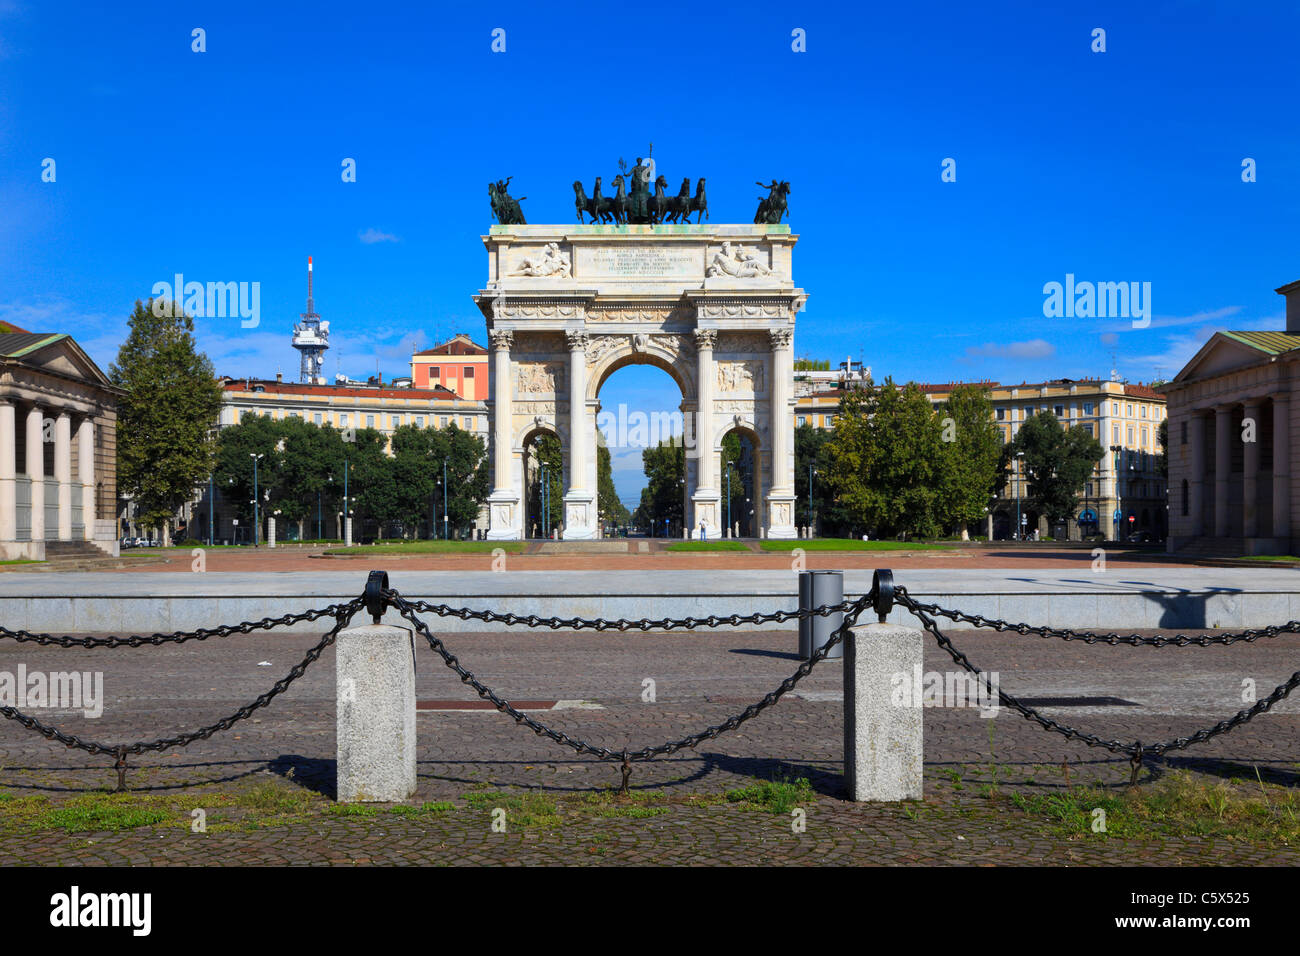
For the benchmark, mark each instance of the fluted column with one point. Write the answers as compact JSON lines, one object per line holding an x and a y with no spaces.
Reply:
{"x":782,"y":425}
{"x":705,"y":340}
{"x":780,"y":497}
{"x":580,"y":521}
{"x":36,"y":469}
{"x":577,"y":342}
{"x":1222,"y":468}
{"x":1250,"y":474}
{"x":86,"y":474}
{"x":1282,"y":467}
{"x":63,"y":472}
{"x":501,"y":342}
{"x":505,"y":522}
{"x":8,"y":474}
{"x":1196,"y":480}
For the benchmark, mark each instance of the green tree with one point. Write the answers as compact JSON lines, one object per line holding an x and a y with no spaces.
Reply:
{"x":165,"y":419}
{"x":662,"y":497}
{"x":372,"y":482}
{"x":548,"y":452}
{"x":811,"y":449}
{"x":309,"y":470}
{"x":886,"y":459}
{"x":1162,"y":457}
{"x":971,"y":458}
{"x":612,"y":511}
{"x":1056,"y":465}
{"x":233,"y":471}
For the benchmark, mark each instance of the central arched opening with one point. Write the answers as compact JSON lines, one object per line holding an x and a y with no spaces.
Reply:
{"x":643,"y":473}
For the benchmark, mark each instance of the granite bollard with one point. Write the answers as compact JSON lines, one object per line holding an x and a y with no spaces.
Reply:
{"x":883,"y":742}
{"x":375,"y":670}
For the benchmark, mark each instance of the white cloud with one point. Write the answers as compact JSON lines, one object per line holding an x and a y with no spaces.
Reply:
{"x":1032,"y":349}
{"x":372,"y":235}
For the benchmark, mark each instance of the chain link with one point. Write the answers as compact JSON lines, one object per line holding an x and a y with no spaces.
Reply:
{"x":408,"y":610}
{"x":1136,"y":750}
{"x":342,"y":613}
{"x":623,"y":624}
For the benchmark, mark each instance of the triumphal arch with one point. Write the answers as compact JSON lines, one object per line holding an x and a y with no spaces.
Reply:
{"x":713,"y":306}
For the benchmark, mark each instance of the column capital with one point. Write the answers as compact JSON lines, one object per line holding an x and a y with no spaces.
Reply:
{"x":576,"y":339}
{"x":780,"y":338}
{"x":706,"y":338}
{"x":501,"y":338}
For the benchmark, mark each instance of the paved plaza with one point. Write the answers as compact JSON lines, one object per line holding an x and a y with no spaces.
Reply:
{"x":558,"y":810}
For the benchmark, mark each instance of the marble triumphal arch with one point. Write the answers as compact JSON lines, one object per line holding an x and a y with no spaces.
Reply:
{"x":713,"y":306}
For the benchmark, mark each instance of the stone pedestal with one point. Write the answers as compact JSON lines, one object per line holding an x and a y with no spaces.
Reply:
{"x":375,"y":671}
{"x":347,"y":532}
{"x":270,"y":532}
{"x":883,"y":742}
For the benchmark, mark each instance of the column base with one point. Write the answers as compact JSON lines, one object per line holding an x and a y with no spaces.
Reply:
{"x":705,"y":507}
{"x":780,"y":517}
{"x":504,"y":517}
{"x":580,"y":518}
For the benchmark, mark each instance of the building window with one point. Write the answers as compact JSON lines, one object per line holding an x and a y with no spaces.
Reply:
{"x":1114,"y":434}
{"x":1130,"y":411}
{"x":344,"y":421}
{"x":442,"y":422}
{"x":801,"y":420}
{"x":1087,"y":408}
{"x":1058,"y":411}
{"x":1144,"y":438}
{"x":316,"y":418}
{"x":370,"y":421}
{"x":469,"y":371}
{"x":1143,"y":410}
{"x":419,"y":421}
{"x":435,"y":372}
{"x":1001,"y":414}
{"x":1130,"y":436}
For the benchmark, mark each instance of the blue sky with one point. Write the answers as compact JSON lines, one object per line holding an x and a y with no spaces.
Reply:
{"x":225,"y":166}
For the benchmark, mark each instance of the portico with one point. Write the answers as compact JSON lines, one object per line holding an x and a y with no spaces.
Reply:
{"x":57,"y":447}
{"x":1232,"y":441}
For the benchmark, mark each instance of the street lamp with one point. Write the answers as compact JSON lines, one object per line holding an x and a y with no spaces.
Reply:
{"x":811,"y":521}
{"x":445,"y":533}
{"x":257,"y":521}
{"x":1020,"y":519}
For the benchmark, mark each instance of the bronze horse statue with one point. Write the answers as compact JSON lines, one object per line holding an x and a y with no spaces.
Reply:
{"x":773,"y":206}
{"x":620,"y":205}
{"x":679,"y":206}
{"x":504,"y":206}
{"x":597,"y":207}
{"x":657,"y":205}
{"x":699,"y":204}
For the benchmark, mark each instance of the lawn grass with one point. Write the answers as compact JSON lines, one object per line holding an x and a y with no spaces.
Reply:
{"x":724,"y":545}
{"x":22,"y":561}
{"x":848,"y":544}
{"x":1268,"y":557}
{"x":431,"y":547}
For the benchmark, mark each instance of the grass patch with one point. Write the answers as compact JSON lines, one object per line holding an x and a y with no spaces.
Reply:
{"x":1268,"y":557}
{"x":774,"y":796}
{"x":22,"y":561}
{"x":724,"y":545}
{"x":1176,"y":805}
{"x":848,"y":544}
{"x":431,"y":547}
{"x":531,"y":809}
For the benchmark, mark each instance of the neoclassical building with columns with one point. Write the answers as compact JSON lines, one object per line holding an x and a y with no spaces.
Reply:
{"x":1234,"y":442}
{"x":58,"y":448}
{"x":713,"y":306}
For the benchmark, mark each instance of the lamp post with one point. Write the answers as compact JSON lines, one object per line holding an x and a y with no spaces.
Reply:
{"x":1020,"y":463}
{"x":1118,"y":450}
{"x":812,"y":522}
{"x":728,"y":498}
{"x":446,"y":534}
{"x":212,"y":491}
{"x":257,"y":521}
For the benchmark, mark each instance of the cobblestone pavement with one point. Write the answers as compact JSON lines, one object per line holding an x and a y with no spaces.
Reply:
{"x":1021,"y":557}
{"x":699,"y":679}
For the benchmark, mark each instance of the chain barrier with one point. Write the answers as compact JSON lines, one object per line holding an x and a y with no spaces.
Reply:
{"x":342,"y":614}
{"x":1137,"y":750}
{"x":409,"y":609}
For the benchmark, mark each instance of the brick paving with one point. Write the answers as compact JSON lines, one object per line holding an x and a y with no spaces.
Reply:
{"x":700,"y":678}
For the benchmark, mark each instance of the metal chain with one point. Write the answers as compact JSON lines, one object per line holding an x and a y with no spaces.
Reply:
{"x":1136,"y":750}
{"x":623,"y":624}
{"x":1089,"y":637}
{"x":408,"y":610}
{"x":176,"y":637}
{"x":343,"y":613}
